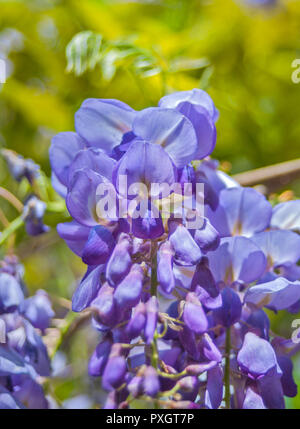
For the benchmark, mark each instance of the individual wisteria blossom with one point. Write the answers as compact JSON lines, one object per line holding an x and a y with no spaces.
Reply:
{"x":33,"y":214}
{"x":23,"y":355}
{"x":34,"y":208}
{"x":20,"y":167}
{"x":180,"y":311}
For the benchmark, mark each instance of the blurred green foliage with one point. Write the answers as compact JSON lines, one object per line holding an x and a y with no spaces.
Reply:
{"x":138,"y":51}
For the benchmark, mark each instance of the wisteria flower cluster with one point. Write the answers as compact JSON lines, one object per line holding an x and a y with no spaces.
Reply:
{"x":180,"y":311}
{"x":24,"y":359}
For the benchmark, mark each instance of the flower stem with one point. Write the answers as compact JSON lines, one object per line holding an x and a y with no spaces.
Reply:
{"x":153,"y":290}
{"x":13,"y":226}
{"x":154,"y":270}
{"x":8,"y":196}
{"x":227,"y":369}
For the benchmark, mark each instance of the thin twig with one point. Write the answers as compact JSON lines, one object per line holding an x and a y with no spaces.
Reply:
{"x":8,"y":196}
{"x":273,"y":177}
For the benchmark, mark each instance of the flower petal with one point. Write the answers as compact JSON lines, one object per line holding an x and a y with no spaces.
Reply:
{"x":74,"y":234}
{"x":102,"y":123}
{"x":187,"y":251}
{"x":256,"y":357}
{"x":87,"y":289}
{"x":93,"y":159}
{"x":204,"y":127}
{"x":253,"y":401}
{"x":237,"y":259}
{"x":241,"y":211}
{"x":196,"y":97}
{"x":279,"y":247}
{"x":144,"y":163}
{"x":286,"y":216}
{"x":193,"y":314}
{"x":62,"y":151}
{"x":169,"y":129}
{"x":230,"y":311}
{"x":214,"y":388}
{"x":81,"y":199}
{"x":11,"y":294}
{"x":278,"y":294}
{"x":98,"y":247}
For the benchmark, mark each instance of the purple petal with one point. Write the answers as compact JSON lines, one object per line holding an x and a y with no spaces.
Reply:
{"x":87,"y":289}
{"x":210,"y":350}
{"x":8,"y":401}
{"x":214,"y":388}
{"x":137,"y":321}
{"x":38,"y":310}
{"x":169,"y":129}
{"x":204,"y":127}
{"x":104,"y":306}
{"x":279,"y":247}
{"x":288,"y":384}
{"x":120,"y":262}
{"x":278,"y":294}
{"x":260,"y":321}
{"x":256,"y":357}
{"x":196,"y":97}
{"x":98,"y":247}
{"x":63,"y":149}
{"x":217,"y":179}
{"x":148,"y":225}
{"x":102,"y":123}
{"x":99,"y":358}
{"x":193,"y":314}
{"x":61,"y":189}
{"x":253,"y":401}
{"x":31,"y":393}
{"x":11,"y":295}
{"x":81,"y":199}
{"x":271,"y":390}
{"x":237,"y":259}
{"x":231,"y":309}
{"x":237,"y":213}
{"x":128,"y":292}
{"x":144,"y":163}
{"x":151,"y":382}
{"x":207,"y":237}
{"x":187,"y":251}
{"x":93,"y":159}
{"x":286,"y":216}
{"x":165,"y":274}
{"x":151,"y":321}
{"x":11,"y":362}
{"x":114,"y":373}
{"x":75,"y":235}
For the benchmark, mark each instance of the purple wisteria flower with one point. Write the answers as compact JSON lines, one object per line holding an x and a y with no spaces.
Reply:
{"x":180,"y":309}
{"x":23,"y":355}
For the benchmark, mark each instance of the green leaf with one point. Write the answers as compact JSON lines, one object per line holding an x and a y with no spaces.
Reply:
{"x":83,"y":52}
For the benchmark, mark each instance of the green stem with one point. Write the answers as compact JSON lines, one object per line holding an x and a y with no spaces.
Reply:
{"x":13,"y":226}
{"x":227,"y":369}
{"x":71,"y":316}
{"x":56,"y":207}
{"x":154,"y":353}
{"x":172,"y":376}
{"x":154,"y":270}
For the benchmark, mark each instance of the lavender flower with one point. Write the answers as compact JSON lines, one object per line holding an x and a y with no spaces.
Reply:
{"x":216,"y":278}
{"x":23,"y":355}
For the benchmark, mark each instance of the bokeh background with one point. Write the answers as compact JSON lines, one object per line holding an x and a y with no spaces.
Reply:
{"x":137,"y":51}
